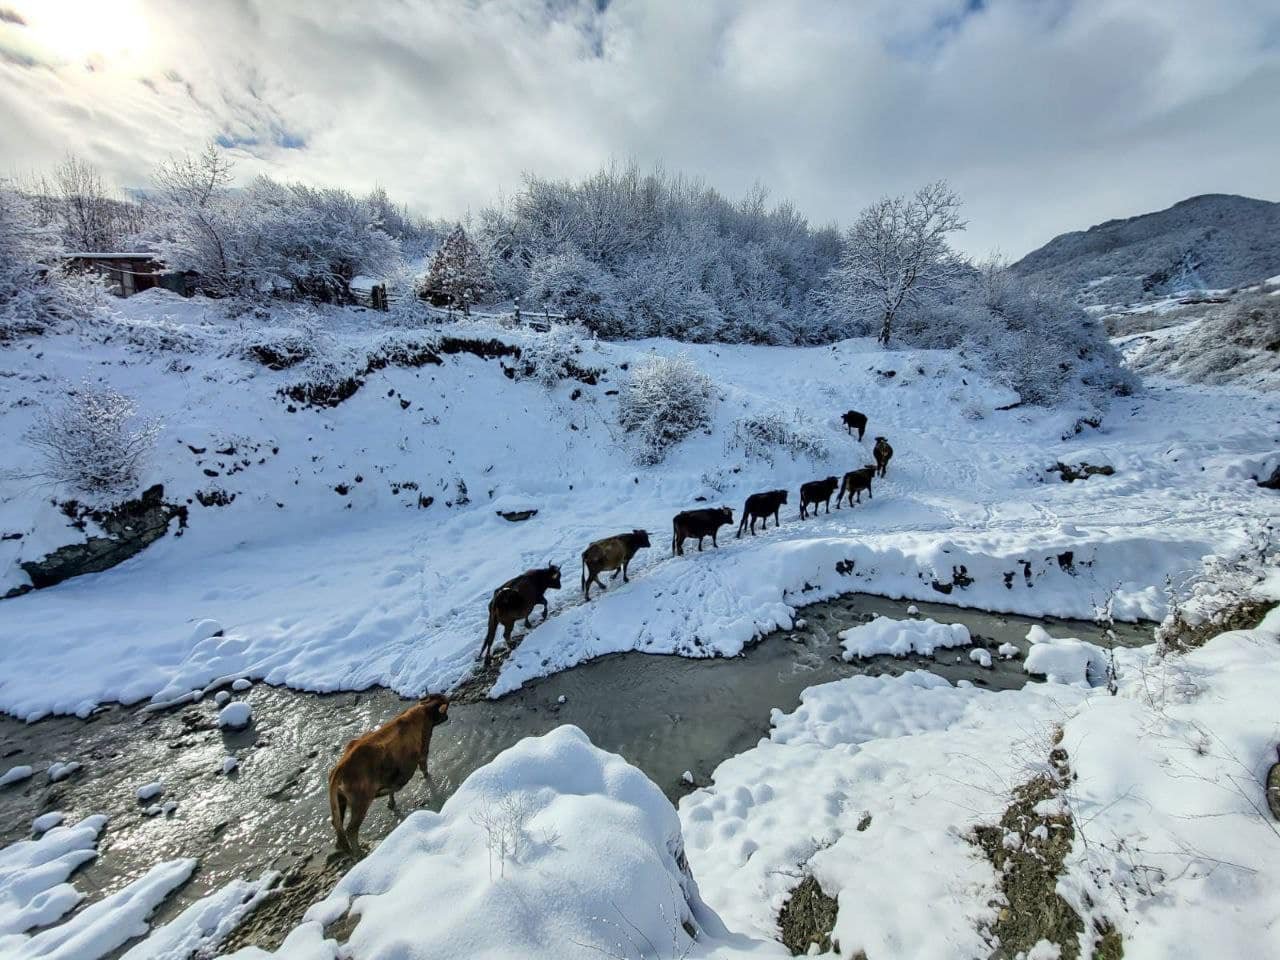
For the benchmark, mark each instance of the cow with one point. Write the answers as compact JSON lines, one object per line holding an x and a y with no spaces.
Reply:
{"x":611,"y":553}
{"x":379,"y":764}
{"x":517,"y":599}
{"x":816,"y":492}
{"x":854,"y":482}
{"x":883,"y":454}
{"x":759,"y":506}
{"x":698,"y":523}
{"x":853,"y":420}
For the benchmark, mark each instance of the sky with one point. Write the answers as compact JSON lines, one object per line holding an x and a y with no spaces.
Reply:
{"x":1045,"y":115}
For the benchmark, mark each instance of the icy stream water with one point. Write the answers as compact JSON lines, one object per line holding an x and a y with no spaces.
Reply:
{"x":664,"y":714}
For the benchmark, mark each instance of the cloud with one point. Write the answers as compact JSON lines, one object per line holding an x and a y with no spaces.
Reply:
{"x":1046,"y":116}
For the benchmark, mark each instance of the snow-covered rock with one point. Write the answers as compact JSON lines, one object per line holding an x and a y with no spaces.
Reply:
{"x":60,"y":770}
{"x":1008,"y":651}
{"x":901,"y":637}
{"x":235,"y":716}
{"x":1064,"y":660}
{"x":16,"y":774}
{"x":229,"y":764}
{"x":150,"y":791}
{"x":47,"y":821}
{"x":240,"y":684}
{"x":981,"y":657}
{"x":33,"y":875}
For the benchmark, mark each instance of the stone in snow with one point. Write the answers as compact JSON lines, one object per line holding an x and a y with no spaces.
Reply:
{"x":980,"y":656}
{"x":229,"y":764}
{"x":912,"y":610}
{"x":240,"y":685}
{"x":47,"y":821}
{"x":60,"y":771}
{"x":687,"y":777}
{"x":150,"y":791}
{"x":15,"y":775}
{"x":562,"y":699}
{"x":1008,"y":651}
{"x":235,"y":716}
{"x":221,"y":697}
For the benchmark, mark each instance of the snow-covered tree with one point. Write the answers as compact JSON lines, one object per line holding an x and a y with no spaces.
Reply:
{"x":665,"y":399}
{"x":458,"y":271}
{"x":897,"y":254}
{"x":570,"y":284}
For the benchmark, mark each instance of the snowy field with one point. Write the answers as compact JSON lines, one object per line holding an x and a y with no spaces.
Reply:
{"x":325,"y":574}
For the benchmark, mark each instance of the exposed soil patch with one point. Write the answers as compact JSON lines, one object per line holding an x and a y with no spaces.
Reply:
{"x":1245,"y":614}
{"x":807,"y":919}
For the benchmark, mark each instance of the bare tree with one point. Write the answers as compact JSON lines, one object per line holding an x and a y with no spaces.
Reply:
{"x":897,"y":252}
{"x":191,"y":188}
{"x":84,"y":206}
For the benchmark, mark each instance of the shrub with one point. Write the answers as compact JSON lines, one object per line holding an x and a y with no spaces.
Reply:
{"x":550,"y":358}
{"x":666,"y":399}
{"x":95,"y":442}
{"x":759,"y":435}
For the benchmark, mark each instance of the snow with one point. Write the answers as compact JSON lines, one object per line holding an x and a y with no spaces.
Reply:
{"x":593,"y":856}
{"x":240,"y":685}
{"x":981,"y":657}
{"x":235,"y":716}
{"x":221,"y":698}
{"x":1064,"y":660}
{"x":47,"y":821}
{"x":16,"y":774}
{"x":198,"y":930}
{"x":901,"y":637}
{"x":229,"y":764}
{"x":106,"y":924}
{"x":1008,"y":651}
{"x":33,"y":875}
{"x":913,"y":610}
{"x":960,"y":492}
{"x":60,"y":770}
{"x":150,"y":791}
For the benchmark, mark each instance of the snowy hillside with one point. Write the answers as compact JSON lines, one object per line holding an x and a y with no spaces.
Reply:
{"x":1207,"y":242}
{"x":339,"y":547}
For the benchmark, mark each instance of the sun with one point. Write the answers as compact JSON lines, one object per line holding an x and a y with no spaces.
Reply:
{"x":109,"y":33}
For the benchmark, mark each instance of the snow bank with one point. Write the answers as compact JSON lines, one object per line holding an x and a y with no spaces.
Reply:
{"x":33,"y":874}
{"x":197,"y":931}
{"x":105,"y":925}
{"x":16,"y":774}
{"x":235,"y":716}
{"x":901,"y":637}
{"x":871,"y":786}
{"x":593,"y":856}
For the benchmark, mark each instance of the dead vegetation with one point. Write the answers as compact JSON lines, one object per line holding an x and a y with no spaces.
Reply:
{"x":807,"y":919}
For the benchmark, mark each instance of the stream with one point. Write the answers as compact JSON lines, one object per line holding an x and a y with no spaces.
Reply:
{"x":664,"y":714}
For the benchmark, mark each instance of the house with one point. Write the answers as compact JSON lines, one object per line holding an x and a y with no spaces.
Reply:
{"x":130,"y":272}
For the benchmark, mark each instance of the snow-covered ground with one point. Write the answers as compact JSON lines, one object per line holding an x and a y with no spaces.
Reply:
{"x":325,"y":574}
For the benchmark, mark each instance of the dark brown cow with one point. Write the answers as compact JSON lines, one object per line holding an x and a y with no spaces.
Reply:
{"x":854,"y":482}
{"x":698,"y":523}
{"x":760,"y":506}
{"x":517,"y":599}
{"x":380,"y":763}
{"x":611,"y":553}
{"x":816,"y":492}
{"x":853,"y":420}
{"x":883,"y":454}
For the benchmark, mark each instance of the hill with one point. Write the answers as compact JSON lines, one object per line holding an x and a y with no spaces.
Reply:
{"x":1213,"y":241}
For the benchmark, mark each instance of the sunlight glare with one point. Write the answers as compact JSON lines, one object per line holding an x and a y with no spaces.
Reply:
{"x":113,"y":34}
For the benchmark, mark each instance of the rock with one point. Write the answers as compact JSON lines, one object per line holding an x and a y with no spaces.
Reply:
{"x":1081,"y":471}
{"x":562,"y":699}
{"x":515,"y":516}
{"x":913,"y":611}
{"x":131,"y":527}
{"x":1008,"y":651}
{"x":687,"y":777}
{"x":1272,"y":482}
{"x":240,"y":685}
{"x":981,"y":657}
{"x":150,"y":791}
{"x":229,"y":764}
{"x":221,"y":698}
{"x":235,"y":716}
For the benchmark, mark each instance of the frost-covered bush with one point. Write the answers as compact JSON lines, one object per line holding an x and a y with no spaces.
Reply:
{"x":551,"y":357}
{"x":665,"y":400}
{"x":35,"y":291}
{"x":1034,"y":341}
{"x":761,"y":435}
{"x":95,"y":442}
{"x":569,"y":284}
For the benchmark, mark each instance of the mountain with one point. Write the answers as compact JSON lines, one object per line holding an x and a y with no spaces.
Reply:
{"x":1206,"y":242}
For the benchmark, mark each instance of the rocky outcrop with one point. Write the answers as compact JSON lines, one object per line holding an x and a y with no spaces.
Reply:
{"x":130,"y":528}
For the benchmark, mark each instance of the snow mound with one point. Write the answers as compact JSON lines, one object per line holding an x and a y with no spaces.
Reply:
{"x":59,"y":770}
{"x":150,"y":791}
{"x":197,"y":931}
{"x":47,"y":821}
{"x":16,"y":774}
{"x":1064,"y":660}
{"x":235,"y":716}
{"x":901,"y":637}
{"x":981,"y":657}
{"x":592,"y":848}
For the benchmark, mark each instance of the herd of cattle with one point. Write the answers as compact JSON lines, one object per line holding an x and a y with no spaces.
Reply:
{"x":382,"y":762}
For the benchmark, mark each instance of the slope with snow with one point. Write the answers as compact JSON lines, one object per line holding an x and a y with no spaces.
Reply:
{"x":329,"y":571}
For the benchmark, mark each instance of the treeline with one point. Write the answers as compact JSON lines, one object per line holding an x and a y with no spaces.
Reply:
{"x":624,"y":252}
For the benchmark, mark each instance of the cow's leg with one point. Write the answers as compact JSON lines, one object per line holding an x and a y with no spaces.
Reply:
{"x":391,"y":802}
{"x":359,"y":807}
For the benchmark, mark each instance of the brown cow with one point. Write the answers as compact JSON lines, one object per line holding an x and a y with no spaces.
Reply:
{"x":698,"y":523}
{"x":517,"y":599}
{"x":611,"y":553}
{"x":853,"y":420}
{"x":380,"y":763}
{"x":760,"y":506}
{"x":816,"y":492}
{"x":854,"y":482}
{"x":883,"y":454}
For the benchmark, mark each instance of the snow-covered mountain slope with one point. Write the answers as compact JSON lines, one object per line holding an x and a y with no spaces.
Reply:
{"x":1205,"y":242}
{"x":326,"y":573}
